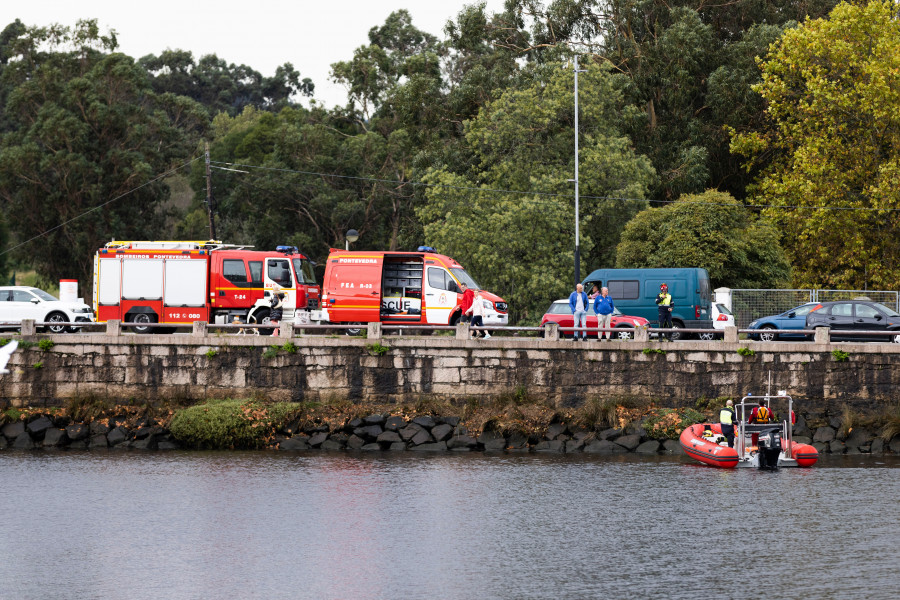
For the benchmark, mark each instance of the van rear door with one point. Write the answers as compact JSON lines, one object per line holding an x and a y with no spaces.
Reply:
{"x":353,"y":286}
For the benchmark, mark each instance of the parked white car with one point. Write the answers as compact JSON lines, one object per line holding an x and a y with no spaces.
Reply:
{"x":22,"y":302}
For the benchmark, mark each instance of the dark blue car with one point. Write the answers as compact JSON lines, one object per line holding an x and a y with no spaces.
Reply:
{"x":791,"y":319}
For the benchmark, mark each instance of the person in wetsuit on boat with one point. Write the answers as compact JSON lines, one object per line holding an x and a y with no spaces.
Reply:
{"x":727,"y":419}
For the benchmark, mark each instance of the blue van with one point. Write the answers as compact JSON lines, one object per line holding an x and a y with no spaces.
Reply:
{"x":634,"y":292}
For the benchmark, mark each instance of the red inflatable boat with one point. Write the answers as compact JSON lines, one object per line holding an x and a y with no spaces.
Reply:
{"x":758,"y":445}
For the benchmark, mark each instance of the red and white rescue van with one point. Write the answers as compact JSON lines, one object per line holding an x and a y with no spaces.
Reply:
{"x":177,"y":283}
{"x":400,"y":287}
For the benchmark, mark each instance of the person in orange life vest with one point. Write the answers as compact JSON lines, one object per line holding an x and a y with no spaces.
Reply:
{"x":468,"y":296}
{"x":761,"y":413}
{"x":664,"y":308}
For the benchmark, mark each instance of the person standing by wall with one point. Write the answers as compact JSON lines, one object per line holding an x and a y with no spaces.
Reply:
{"x":277,"y":304}
{"x":477,"y":310}
{"x":727,"y":419}
{"x":578,"y":302}
{"x":604,"y":307}
{"x":466,"y":304}
{"x":664,"y":303}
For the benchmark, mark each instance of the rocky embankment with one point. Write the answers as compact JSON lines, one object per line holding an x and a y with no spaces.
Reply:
{"x":423,"y":433}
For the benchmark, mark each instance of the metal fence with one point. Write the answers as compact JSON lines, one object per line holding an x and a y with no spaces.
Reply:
{"x":748,"y":305}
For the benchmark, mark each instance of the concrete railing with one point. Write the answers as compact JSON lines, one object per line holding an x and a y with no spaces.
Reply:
{"x":461,"y":331}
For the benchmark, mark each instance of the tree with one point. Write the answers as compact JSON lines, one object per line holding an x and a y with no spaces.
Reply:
{"x":830,"y":149}
{"x":509,"y":216}
{"x":223,"y":87}
{"x":691,"y":65}
{"x":88,"y":142}
{"x":712,"y":231}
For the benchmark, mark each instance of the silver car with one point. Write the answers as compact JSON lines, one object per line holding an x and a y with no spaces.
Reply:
{"x":21,"y":302}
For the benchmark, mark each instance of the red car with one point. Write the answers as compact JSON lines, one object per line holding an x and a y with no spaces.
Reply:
{"x":559,"y":312}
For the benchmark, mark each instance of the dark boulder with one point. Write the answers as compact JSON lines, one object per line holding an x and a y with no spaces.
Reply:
{"x":354,"y":423}
{"x":492,"y":441}
{"x":575,"y":445}
{"x":555,"y":430}
{"x":77,"y":432}
{"x":388,"y":437}
{"x":13,"y":430}
{"x":369,"y":432}
{"x":141,"y":433}
{"x":517,"y":440}
{"x":38,"y":426}
{"x":397,"y":447}
{"x":801,"y":428}
{"x":860,"y":438}
{"x":462,"y":441}
{"x":442,"y":432}
{"x":423,"y":437}
{"x":877,"y":446}
{"x":408,"y":432}
{"x":451,"y":421}
{"x":894,"y":444}
{"x":611,"y":433}
{"x":837,"y":447}
{"x":435,"y":447}
{"x":824,"y":435}
{"x":117,"y":436}
{"x":630,"y":441}
{"x":317,"y":439}
{"x":394,"y":423}
{"x":146,"y":443}
{"x":604,"y":447}
{"x":672,"y":447}
{"x":98,"y":428}
{"x":54,"y":438}
{"x":167,"y":445}
{"x":294,"y":443}
{"x":3,"y":443}
{"x":648,"y":447}
{"x":331,"y":444}
{"x":551,"y":446}
{"x":340,"y":438}
{"x":354,"y":442}
{"x":375,"y":420}
{"x":425,"y":421}
{"x":23,"y":442}
{"x":371,"y":447}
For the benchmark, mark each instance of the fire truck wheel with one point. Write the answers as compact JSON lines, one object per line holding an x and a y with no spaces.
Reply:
{"x":354,"y":331}
{"x":143,"y":318}
{"x":55,"y":318}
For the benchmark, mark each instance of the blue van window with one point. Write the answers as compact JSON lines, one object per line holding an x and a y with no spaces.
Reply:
{"x":624,"y":289}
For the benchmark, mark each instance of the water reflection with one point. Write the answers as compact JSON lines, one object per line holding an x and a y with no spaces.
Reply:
{"x":254,"y":525}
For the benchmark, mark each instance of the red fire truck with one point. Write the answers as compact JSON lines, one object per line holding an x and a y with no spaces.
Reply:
{"x":177,"y":283}
{"x":400,"y":287}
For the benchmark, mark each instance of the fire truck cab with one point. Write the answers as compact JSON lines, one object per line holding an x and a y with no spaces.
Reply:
{"x":177,"y":283}
{"x":400,"y":287}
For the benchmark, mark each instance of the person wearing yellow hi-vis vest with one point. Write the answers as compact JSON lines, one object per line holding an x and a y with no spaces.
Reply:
{"x":665,"y":303}
{"x":726,"y":420}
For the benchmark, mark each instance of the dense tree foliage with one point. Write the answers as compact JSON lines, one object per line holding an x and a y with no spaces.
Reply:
{"x":522,"y":245}
{"x":832,"y":88}
{"x":710,"y":230}
{"x":87,"y":130}
{"x":223,"y":87}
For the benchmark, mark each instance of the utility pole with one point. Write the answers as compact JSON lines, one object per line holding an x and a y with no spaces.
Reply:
{"x":209,"y":199}
{"x":577,"y":216}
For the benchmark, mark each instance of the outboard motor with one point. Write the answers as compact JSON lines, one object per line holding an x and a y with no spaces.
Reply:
{"x":769,"y":446}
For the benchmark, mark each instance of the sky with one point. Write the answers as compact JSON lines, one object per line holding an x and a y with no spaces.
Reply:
{"x":309,"y":34}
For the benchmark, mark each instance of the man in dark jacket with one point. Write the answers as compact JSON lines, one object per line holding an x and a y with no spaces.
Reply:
{"x":665,"y":303}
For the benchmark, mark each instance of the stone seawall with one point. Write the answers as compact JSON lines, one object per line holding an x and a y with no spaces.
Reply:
{"x":185,"y":368}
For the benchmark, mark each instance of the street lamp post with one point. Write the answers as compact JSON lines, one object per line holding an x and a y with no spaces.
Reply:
{"x":577,"y":219}
{"x":351,"y":236}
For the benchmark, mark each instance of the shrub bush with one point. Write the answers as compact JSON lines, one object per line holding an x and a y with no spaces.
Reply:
{"x":232,"y":424}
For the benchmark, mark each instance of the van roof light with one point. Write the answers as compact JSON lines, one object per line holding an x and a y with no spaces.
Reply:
{"x":425,"y":249}
{"x":287,"y":249}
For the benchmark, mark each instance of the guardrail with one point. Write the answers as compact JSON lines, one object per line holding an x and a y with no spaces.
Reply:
{"x":550,"y":331}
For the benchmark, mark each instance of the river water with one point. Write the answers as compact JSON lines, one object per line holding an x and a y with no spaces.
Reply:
{"x":318,"y":525}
